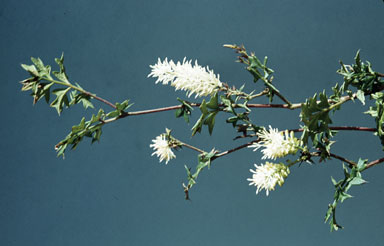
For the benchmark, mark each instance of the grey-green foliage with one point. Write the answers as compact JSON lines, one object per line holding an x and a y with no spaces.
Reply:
{"x":315,"y":112}
{"x":83,"y":129}
{"x":41,"y":82}
{"x":185,"y":110}
{"x":66,"y":95}
{"x":377,"y":112}
{"x":361,"y":76}
{"x":208,"y":113}
{"x":359,"y":81}
{"x":315,"y":116}
{"x":351,"y":177}
{"x":91,"y":129}
{"x":203,"y":160}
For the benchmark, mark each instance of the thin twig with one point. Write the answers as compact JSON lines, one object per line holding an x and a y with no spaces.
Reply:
{"x":234,"y":149}
{"x":193,"y":148}
{"x":277,"y":93}
{"x":336,"y":157}
{"x":82,"y":91}
{"x":375,"y":162}
{"x":343,"y":159}
{"x":343,"y":128}
{"x":100,"y":99}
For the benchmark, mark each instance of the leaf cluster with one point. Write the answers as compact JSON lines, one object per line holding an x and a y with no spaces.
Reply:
{"x":41,"y":82}
{"x":351,"y":177}
{"x":315,"y":116}
{"x":208,"y":113}
{"x":377,"y":112}
{"x":361,"y":76}
{"x":91,"y":129}
{"x":367,"y":83}
{"x":185,"y":111}
{"x":203,"y":160}
{"x":258,"y":69}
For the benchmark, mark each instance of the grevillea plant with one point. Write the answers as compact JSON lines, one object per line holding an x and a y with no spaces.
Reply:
{"x":310,"y":142}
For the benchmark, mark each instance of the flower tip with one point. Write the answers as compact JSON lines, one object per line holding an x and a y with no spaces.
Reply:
{"x":267,"y":175}
{"x":162,"y":149}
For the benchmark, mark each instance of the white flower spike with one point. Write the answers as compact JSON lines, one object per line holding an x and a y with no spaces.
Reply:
{"x":162,"y":148}
{"x":276,"y":144}
{"x":267,"y":176}
{"x":186,"y":77}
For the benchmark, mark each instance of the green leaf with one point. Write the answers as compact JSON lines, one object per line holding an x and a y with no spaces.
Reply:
{"x":343,"y":196}
{"x":210,"y":121}
{"x":61,"y":99}
{"x":97,"y":134}
{"x":228,"y":102}
{"x":198,"y":125}
{"x":213,"y":102}
{"x":184,"y":111}
{"x":85,"y":100}
{"x":31,"y":69}
{"x":79,"y":127}
{"x":357,"y":59}
{"x":191,"y":179}
{"x":43,"y":71}
{"x":357,"y":181}
{"x":113,"y":114}
{"x":360,"y":96}
{"x":123,"y":106}
{"x":61,"y":75}
{"x":203,"y":107}
{"x":179,"y":112}
{"x":96,"y":118}
{"x":361,"y":164}
{"x":120,"y":107}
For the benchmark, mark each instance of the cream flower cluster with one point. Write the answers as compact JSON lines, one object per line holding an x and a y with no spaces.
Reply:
{"x":186,"y":77}
{"x":268,"y":175}
{"x":162,"y":148}
{"x":276,"y":144}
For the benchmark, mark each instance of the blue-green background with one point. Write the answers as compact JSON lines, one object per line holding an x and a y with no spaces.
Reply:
{"x":114,"y":192}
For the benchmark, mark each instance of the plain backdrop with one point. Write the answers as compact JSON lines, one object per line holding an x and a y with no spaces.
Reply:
{"x":114,"y":192}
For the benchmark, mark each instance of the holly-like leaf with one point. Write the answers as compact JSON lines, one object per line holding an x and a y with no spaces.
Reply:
{"x":61,"y":74}
{"x":184,"y":111}
{"x":315,"y":115}
{"x":61,"y":99}
{"x":360,"y":96}
{"x":120,"y":109}
{"x":213,"y":102}
{"x":43,"y":71}
{"x":31,"y":69}
{"x":351,"y":177}
{"x":207,"y":116}
{"x":204,"y":160}
{"x":91,"y":129}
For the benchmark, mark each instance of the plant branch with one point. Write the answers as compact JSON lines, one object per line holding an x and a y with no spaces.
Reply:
{"x":343,"y":159}
{"x":375,"y":162}
{"x":82,"y":91}
{"x":336,"y":157}
{"x":192,"y":147}
{"x":283,"y":98}
{"x":234,"y":149}
{"x":344,"y":128}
